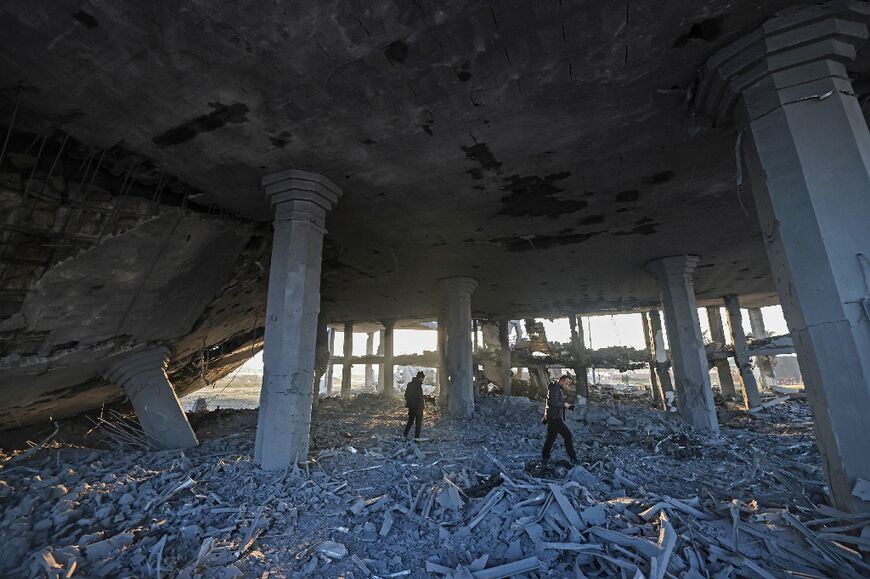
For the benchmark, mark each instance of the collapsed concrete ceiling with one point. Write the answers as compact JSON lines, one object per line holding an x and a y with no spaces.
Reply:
{"x":543,"y":148}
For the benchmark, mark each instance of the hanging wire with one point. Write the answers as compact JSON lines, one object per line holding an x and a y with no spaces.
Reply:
{"x":11,"y":125}
{"x":35,"y":165}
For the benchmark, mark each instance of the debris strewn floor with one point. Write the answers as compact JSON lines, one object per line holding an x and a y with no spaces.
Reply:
{"x":470,"y":499}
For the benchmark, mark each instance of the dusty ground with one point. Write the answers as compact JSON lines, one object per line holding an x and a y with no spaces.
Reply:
{"x":370,"y":504}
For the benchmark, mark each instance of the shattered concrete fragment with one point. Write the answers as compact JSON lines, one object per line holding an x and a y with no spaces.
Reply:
{"x":332,"y":549}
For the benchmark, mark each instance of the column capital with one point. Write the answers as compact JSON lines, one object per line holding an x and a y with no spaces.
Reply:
{"x":458,"y":285}
{"x":389,"y":324}
{"x":674,"y":265}
{"x":293,"y":193}
{"x":781,"y":59}
{"x":136,"y":363}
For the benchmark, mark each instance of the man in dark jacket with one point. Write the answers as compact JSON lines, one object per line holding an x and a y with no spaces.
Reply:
{"x":414,"y":402}
{"x":554,"y":417}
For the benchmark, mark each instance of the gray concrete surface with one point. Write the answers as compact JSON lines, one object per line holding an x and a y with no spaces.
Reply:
{"x":723,"y":368}
{"x":691,"y":374}
{"x":142,"y":375}
{"x":301,"y":201}
{"x":807,"y":154}
{"x":456,"y":292}
{"x":764,"y":363}
{"x":748,"y":383}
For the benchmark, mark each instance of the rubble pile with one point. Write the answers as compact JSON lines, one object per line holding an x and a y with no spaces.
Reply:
{"x":470,"y":499}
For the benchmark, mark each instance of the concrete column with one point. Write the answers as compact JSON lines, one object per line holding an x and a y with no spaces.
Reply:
{"x":717,"y":334}
{"x":751,"y":397}
{"x":389,"y":372}
{"x":456,"y":293}
{"x":347,"y":365}
{"x":764,"y":363}
{"x":301,"y":201}
{"x":578,"y":341}
{"x":370,"y":349}
{"x":443,"y":382}
{"x":691,"y":372}
{"x":142,"y":375}
{"x":660,"y":355}
{"x":329,"y":363}
{"x":380,"y":387}
{"x":504,"y":345}
{"x":653,"y":382}
{"x":807,"y":150}
{"x":321,"y":361}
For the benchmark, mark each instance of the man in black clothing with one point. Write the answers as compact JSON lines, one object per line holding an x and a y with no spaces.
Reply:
{"x":414,"y":402}
{"x":554,"y":418}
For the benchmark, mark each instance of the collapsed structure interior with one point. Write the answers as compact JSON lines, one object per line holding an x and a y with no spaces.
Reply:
{"x":185,"y":185}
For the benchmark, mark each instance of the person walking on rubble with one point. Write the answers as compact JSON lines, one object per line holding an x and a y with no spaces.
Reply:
{"x":554,"y":418}
{"x":414,"y":402}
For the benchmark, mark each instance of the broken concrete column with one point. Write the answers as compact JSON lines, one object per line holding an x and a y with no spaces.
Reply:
{"x":504,"y":346}
{"x":443,"y":384}
{"x":456,"y":294}
{"x":764,"y":363}
{"x":370,"y":371}
{"x":321,"y":360}
{"x":660,"y":355}
{"x":389,"y":372}
{"x":347,"y":365}
{"x":142,"y":375}
{"x":301,"y":202}
{"x":578,"y":341}
{"x":717,"y":334}
{"x":807,"y":150}
{"x":329,"y":363}
{"x":691,"y":373}
{"x":751,"y":397}
{"x":653,"y":382}
{"x":380,"y":387}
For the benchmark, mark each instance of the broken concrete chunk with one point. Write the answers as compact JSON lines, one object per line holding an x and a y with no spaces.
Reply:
{"x":449,"y":498}
{"x":101,"y":549}
{"x":595,"y":515}
{"x":358,"y":506}
{"x":862,"y":489}
{"x":332,"y":549}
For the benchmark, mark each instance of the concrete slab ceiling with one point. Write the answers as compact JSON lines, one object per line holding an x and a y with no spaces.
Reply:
{"x":545,"y":149}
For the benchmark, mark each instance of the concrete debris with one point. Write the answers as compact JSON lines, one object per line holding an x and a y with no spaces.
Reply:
{"x":332,"y":549}
{"x":651,"y":499}
{"x":862,"y":489}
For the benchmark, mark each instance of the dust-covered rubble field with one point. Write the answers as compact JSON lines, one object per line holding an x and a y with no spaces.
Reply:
{"x":650,"y":499}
